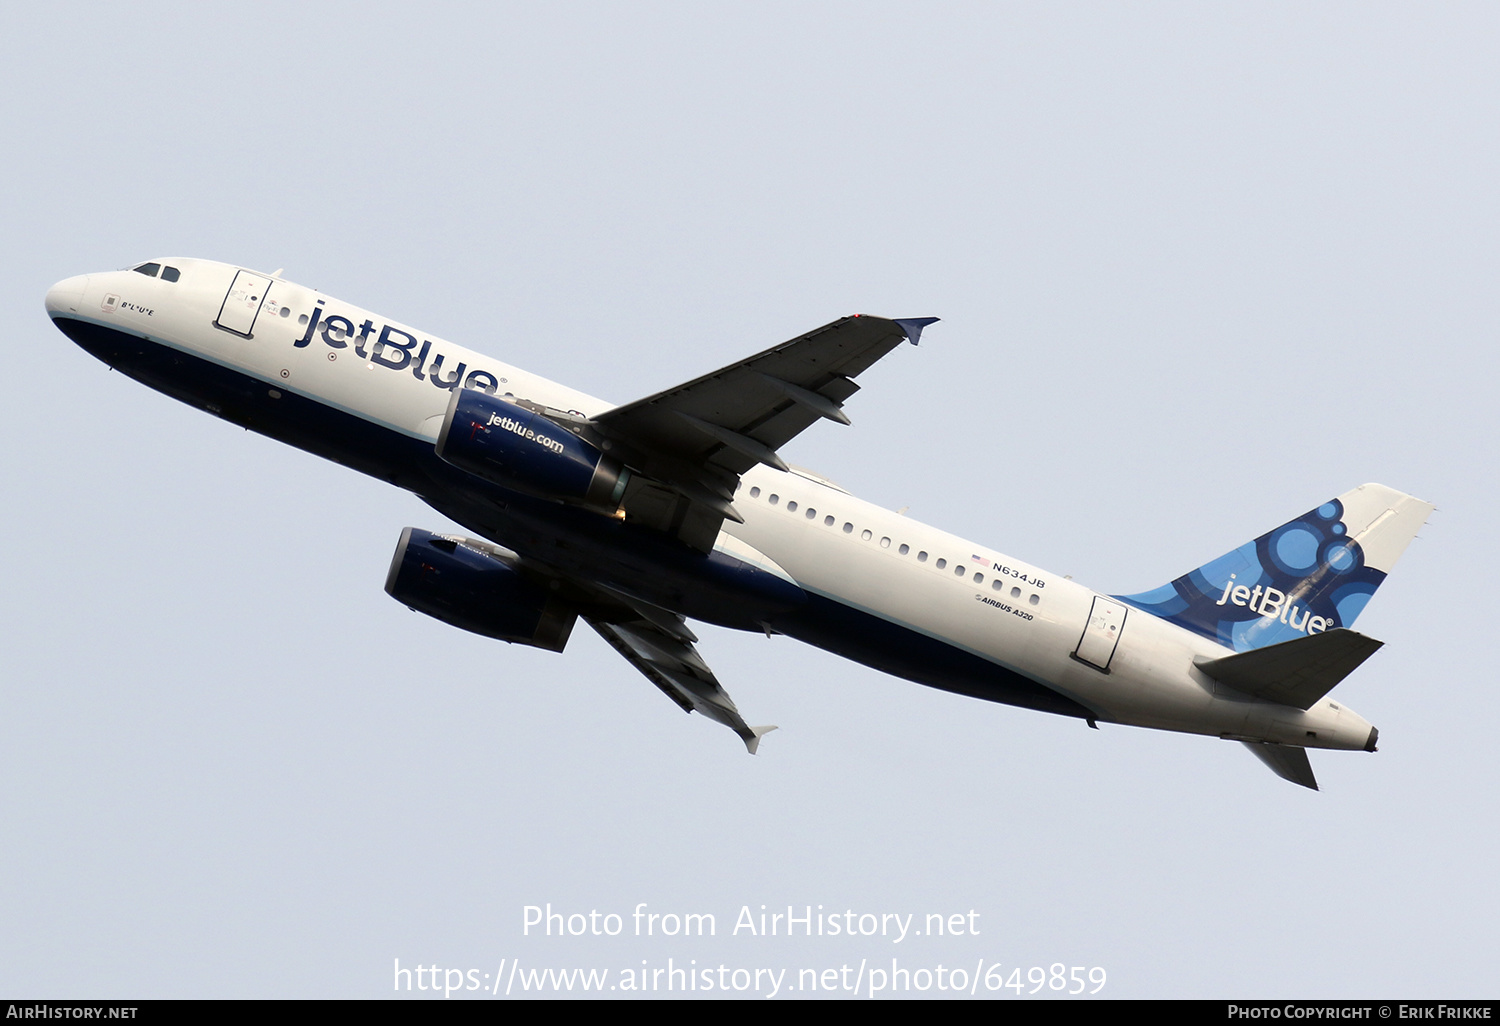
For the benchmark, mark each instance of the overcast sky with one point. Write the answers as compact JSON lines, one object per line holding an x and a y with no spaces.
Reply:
{"x":1200,"y":268}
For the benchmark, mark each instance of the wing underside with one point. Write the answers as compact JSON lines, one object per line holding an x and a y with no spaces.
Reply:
{"x":668,"y":659}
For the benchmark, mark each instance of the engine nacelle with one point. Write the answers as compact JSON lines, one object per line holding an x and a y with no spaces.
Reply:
{"x":472,"y":586}
{"x":516,"y":448}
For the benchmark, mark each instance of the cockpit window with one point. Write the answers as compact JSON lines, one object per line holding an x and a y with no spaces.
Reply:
{"x":149,"y":270}
{"x":170,"y":274}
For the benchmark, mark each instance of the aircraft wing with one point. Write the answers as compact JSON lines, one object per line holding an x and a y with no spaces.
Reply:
{"x":664,"y":652}
{"x":690,"y":443}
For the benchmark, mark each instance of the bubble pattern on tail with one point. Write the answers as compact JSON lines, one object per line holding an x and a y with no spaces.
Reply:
{"x":1305,"y":577}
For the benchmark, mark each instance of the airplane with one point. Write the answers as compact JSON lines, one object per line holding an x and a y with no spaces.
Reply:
{"x":677,"y":506}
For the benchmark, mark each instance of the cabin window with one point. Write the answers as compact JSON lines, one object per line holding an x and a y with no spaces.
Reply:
{"x":791,"y":507}
{"x":997,"y":584}
{"x":848,"y":528}
{"x":942,"y":564}
{"x":885,"y":543}
{"x":904,"y":549}
{"x":812,"y":514}
{"x":755,"y":492}
{"x":149,"y":270}
{"x":979,"y":578}
{"x":960,"y":570}
{"x":1015,"y":593}
{"x":1034,"y":599}
{"x":774,"y":499}
{"x":828,"y":521}
{"x":921,"y":557}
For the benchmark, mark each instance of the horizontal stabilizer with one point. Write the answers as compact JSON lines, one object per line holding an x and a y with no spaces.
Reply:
{"x":1286,"y":762}
{"x":1297,"y":672}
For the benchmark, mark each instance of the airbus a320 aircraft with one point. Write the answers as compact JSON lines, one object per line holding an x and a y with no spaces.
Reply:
{"x":676,"y":507}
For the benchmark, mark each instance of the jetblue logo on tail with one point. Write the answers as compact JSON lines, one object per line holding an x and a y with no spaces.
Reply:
{"x":1272,"y":604}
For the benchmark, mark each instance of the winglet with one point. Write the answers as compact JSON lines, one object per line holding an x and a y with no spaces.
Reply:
{"x":756,"y":733}
{"x":913,"y":326}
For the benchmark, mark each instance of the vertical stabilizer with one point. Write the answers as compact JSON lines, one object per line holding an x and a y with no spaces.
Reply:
{"x":1310,"y":575}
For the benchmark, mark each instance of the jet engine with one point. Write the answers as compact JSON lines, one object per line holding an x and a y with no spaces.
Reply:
{"x":517,"y":448}
{"x":476,"y":587}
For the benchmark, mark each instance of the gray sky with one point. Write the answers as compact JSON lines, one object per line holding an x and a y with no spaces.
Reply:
{"x":1200,"y":267}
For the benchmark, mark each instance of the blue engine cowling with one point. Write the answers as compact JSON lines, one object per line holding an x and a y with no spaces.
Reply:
{"x":516,"y":448}
{"x":469,"y":585}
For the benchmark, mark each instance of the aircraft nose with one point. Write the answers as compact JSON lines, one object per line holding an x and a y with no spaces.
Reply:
{"x":66,"y":296}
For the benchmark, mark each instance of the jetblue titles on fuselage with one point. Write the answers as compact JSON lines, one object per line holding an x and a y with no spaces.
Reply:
{"x":393,"y":349}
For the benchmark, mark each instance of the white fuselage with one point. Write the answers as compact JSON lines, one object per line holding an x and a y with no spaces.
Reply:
{"x":829,"y":542}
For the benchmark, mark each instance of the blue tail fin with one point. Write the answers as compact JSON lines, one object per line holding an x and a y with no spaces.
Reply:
{"x":1307,"y":576}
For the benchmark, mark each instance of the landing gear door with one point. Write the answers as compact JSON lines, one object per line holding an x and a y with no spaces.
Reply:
{"x":242,"y":304}
{"x":1101,"y":634}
